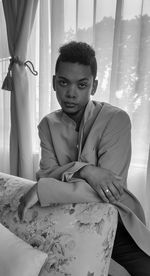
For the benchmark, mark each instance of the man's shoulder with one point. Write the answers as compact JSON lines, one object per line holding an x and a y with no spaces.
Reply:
{"x":112,"y":110}
{"x":111,"y":114}
{"x":116,"y":116}
{"x":107,"y":107}
{"x":52,"y":117}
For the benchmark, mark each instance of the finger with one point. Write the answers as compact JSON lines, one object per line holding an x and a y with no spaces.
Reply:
{"x":109,"y":194}
{"x":116,"y":181}
{"x":119,"y":187}
{"x":113,"y":193}
{"x":20,"y":211}
{"x":100,"y":192}
{"x":103,"y":196}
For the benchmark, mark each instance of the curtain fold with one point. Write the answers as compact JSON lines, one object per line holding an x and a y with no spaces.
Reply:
{"x":115,"y":55}
{"x":19,"y":16}
{"x":57,"y":37}
{"x":45,"y":59}
{"x":147,"y":204}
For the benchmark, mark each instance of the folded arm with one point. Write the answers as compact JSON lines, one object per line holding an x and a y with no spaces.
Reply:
{"x":49,"y":163}
{"x":109,"y":177}
{"x":113,"y":153}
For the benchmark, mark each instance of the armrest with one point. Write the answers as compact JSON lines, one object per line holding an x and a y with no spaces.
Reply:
{"x":78,"y":238}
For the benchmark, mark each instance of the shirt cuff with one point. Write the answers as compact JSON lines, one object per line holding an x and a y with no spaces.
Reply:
{"x":67,"y":175}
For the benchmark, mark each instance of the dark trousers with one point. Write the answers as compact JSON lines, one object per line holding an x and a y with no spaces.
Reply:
{"x":128,"y":254}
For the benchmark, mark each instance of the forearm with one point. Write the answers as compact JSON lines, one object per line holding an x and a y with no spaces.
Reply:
{"x":54,"y":191}
{"x":53,"y":172}
{"x":106,"y":183}
{"x":64,"y":172}
{"x":85,"y":173}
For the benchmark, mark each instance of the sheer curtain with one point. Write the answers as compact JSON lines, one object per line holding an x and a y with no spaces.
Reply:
{"x":19,"y":17}
{"x":120,"y":33}
{"x":4,"y":98}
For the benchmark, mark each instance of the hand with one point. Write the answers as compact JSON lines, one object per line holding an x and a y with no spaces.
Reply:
{"x":27,"y":201}
{"x":106,"y":183}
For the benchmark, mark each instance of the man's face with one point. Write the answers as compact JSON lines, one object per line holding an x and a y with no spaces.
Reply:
{"x":74,"y":84}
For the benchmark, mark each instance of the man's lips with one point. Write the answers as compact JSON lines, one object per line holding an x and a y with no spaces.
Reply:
{"x":69,"y":104}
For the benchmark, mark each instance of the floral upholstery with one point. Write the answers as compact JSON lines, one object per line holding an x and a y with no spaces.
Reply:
{"x":78,"y":238}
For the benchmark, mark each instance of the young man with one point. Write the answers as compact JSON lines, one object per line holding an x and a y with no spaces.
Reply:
{"x":85,"y":155}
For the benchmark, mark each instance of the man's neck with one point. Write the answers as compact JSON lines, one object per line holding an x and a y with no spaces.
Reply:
{"x":77,"y":118}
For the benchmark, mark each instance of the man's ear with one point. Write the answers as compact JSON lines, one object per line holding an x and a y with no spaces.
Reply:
{"x":95,"y":84}
{"x":54,"y":84}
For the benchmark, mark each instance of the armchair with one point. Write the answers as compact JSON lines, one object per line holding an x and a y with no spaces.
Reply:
{"x":76,"y":239}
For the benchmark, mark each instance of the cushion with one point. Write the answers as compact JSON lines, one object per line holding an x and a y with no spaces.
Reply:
{"x":17,"y":258}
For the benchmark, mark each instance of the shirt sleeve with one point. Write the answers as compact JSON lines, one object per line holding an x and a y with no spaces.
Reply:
{"x":49,"y":165}
{"x":51,"y":191}
{"x":55,"y":182}
{"x":114,"y":147}
{"x":114,"y":152}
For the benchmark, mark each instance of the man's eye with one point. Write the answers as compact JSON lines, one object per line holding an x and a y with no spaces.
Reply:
{"x":82,"y":85}
{"x":63,"y":83}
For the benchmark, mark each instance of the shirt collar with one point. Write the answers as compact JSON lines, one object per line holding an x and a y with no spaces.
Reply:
{"x":87,"y":114}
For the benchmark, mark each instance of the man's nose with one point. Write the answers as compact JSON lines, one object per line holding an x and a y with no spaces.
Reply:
{"x":71,"y":91}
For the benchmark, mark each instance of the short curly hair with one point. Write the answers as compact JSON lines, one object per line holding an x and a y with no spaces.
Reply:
{"x":79,"y":52}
